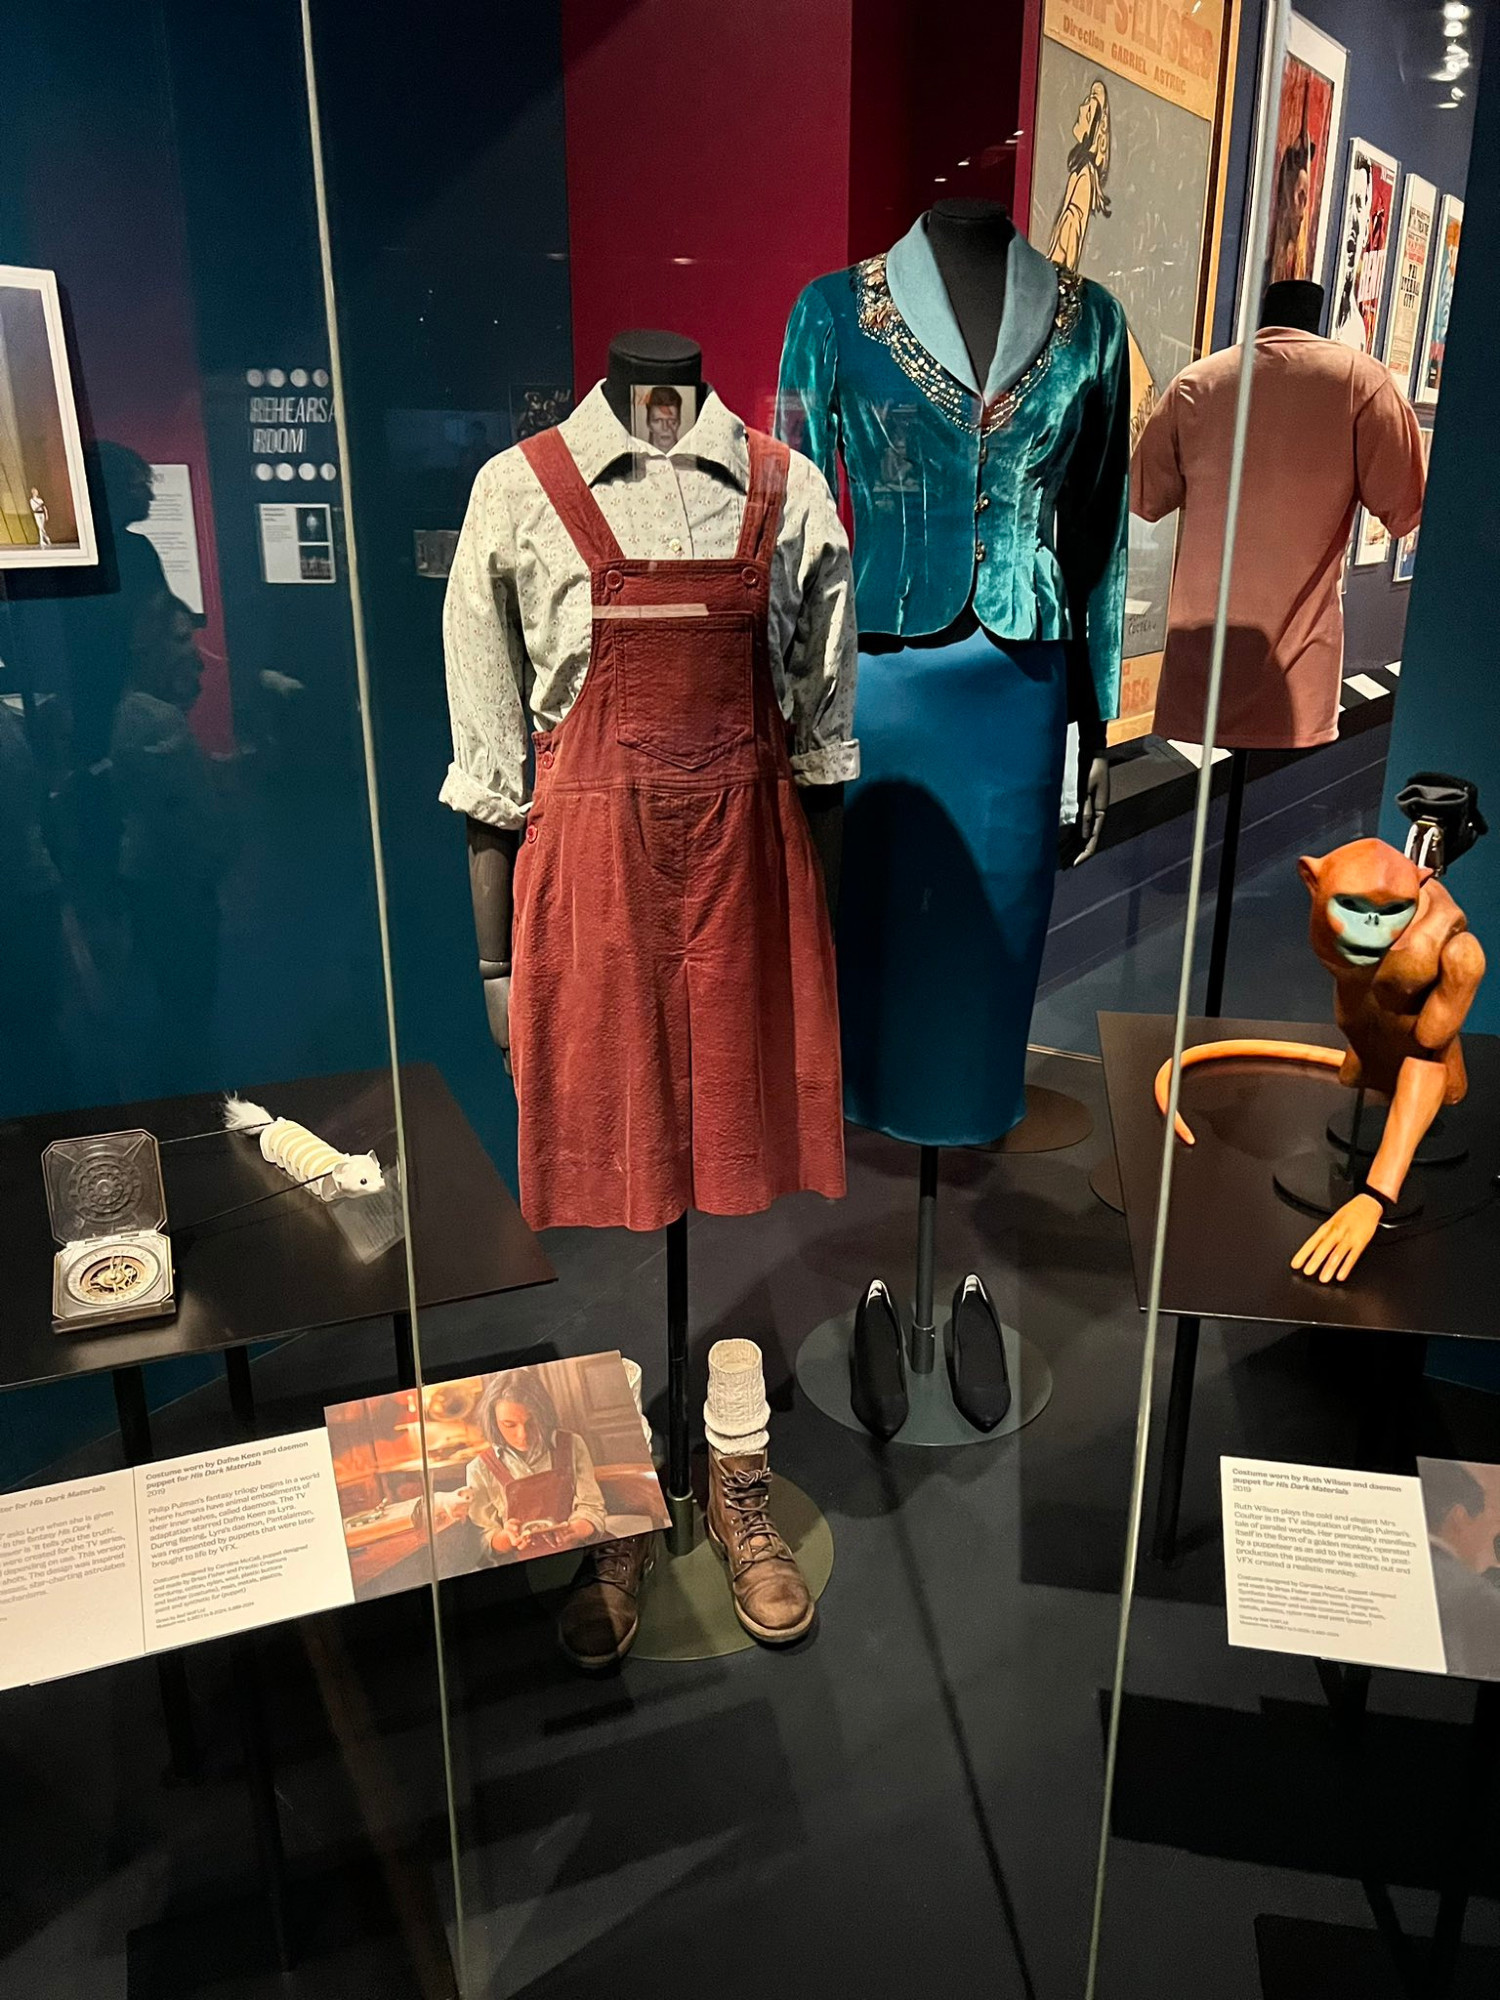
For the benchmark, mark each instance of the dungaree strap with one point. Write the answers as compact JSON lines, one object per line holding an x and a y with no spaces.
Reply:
{"x":768,"y":463}
{"x":565,"y":486}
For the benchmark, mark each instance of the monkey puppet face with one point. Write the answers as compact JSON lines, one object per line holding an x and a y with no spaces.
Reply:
{"x":1363,"y":897}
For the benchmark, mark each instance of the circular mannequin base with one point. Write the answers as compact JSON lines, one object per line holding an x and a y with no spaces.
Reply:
{"x":1320,"y":1182}
{"x":1053,"y":1120}
{"x":1104,"y":1184}
{"x":823,"y":1373}
{"x":687,"y":1609}
{"x":1443,"y":1145}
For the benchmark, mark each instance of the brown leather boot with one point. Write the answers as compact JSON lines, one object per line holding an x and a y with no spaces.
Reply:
{"x":596,"y":1628}
{"x":771,"y":1600}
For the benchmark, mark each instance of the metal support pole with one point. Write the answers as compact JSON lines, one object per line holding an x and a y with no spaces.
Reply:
{"x":679,"y":1462}
{"x":1175,"y":1440}
{"x":241,"y":1389}
{"x":1229,"y":855}
{"x":406,"y":1353}
{"x":260,"y":1782}
{"x":1467,"y":1840}
{"x":922,"y":1355}
{"x":1356,"y":1120}
{"x":171,"y":1672}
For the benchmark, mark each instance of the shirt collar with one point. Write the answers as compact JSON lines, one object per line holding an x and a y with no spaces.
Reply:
{"x":599,"y":441}
{"x":920,"y":296}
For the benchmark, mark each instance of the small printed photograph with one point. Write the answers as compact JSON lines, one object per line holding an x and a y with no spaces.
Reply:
{"x":525,"y":1462}
{"x":1405,"y":566}
{"x":45,"y":520}
{"x":1372,"y":544}
{"x":1462,"y":1503}
{"x":537,"y":406}
{"x":1363,"y":244}
{"x":432,"y":550}
{"x":1440,"y":303}
{"x":662,"y":412}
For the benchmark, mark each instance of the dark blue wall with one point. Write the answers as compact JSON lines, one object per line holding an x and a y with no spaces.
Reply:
{"x":445,"y":155}
{"x":1448,"y":714}
{"x":450,"y":235}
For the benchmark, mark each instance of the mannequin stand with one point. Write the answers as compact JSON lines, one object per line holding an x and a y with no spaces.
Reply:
{"x":1053,"y":1121}
{"x":1229,"y":858}
{"x":1322,"y":1179}
{"x":932,"y":1420}
{"x":680,"y":1504}
{"x":1105,"y":1179}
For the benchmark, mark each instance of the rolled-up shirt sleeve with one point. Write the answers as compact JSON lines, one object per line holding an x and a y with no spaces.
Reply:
{"x":1157,"y":487}
{"x":1388,"y":461}
{"x":821,"y":655}
{"x":484,"y":656}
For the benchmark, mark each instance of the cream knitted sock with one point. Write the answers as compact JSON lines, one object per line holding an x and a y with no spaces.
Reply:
{"x":736,"y":1413}
{"x":633,"y":1377}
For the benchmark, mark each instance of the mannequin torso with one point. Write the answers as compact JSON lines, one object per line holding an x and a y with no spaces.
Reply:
{"x":969,"y":240}
{"x":641,"y":356}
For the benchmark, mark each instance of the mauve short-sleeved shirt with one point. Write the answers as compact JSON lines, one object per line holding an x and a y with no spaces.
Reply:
{"x":1329,"y":430}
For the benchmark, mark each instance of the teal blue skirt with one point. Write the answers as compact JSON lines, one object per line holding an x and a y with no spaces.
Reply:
{"x":950,"y":854}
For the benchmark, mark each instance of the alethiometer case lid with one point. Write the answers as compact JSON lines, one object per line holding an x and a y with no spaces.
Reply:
{"x":103,"y":1185}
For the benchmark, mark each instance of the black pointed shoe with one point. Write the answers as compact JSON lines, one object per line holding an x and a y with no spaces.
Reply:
{"x":976,"y":1356}
{"x":877,"y":1363}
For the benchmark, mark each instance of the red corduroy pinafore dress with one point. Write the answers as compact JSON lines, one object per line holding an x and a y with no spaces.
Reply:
{"x":674,"y":1013}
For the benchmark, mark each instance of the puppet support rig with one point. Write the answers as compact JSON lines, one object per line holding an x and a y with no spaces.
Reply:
{"x":1406,"y":969}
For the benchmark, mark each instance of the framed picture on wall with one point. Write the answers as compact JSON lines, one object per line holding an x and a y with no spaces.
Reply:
{"x":45,"y":522}
{"x":1434,"y":347}
{"x":1360,"y":254}
{"x":1125,"y":184}
{"x":1308,"y":114}
{"x":1371,"y":543}
{"x":1412,"y":253}
{"x":1405,"y":564}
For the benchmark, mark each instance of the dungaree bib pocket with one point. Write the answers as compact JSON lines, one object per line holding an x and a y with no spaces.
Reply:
{"x":684,"y":686}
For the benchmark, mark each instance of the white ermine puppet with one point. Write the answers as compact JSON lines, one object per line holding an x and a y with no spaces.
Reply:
{"x":302,"y":1154}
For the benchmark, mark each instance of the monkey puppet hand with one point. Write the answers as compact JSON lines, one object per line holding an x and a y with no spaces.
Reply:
{"x":1336,"y":1246}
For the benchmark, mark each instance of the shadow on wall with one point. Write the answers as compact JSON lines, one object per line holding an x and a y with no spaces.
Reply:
{"x":174,"y":921}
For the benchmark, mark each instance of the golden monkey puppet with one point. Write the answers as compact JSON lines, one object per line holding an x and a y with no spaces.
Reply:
{"x":1405,"y":971}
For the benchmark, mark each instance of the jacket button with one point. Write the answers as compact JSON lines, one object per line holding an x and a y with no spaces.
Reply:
{"x":530,"y":834}
{"x":613,"y":580}
{"x":981,"y":503}
{"x":749,"y":577}
{"x":984,"y":452}
{"x":979,"y":552}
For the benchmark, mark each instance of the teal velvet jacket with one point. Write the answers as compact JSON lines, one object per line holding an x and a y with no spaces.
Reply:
{"x":1012,"y":497}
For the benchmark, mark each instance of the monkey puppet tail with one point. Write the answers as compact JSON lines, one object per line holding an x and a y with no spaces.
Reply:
{"x":1308,"y":1052}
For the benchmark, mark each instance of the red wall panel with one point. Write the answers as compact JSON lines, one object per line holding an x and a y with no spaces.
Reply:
{"x":708,"y":175}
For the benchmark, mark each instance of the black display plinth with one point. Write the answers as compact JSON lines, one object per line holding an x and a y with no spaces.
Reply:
{"x":1231,"y":1235}
{"x":282,"y":1267}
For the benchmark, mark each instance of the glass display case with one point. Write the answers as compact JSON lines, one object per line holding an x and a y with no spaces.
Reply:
{"x":688,"y":1208}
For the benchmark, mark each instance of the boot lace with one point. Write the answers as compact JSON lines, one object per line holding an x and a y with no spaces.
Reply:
{"x":616,"y":1563}
{"x":747,"y":1496}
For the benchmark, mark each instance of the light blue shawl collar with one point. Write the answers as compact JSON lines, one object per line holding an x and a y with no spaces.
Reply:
{"x":920,"y":296}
